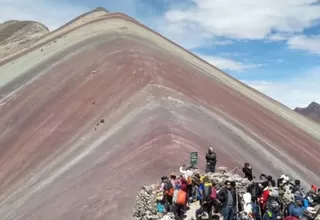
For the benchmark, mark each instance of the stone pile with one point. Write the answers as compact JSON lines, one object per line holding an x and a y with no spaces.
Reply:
{"x":146,"y":205}
{"x":223,"y":175}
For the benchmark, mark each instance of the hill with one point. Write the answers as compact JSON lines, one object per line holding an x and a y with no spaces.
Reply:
{"x":89,"y":114}
{"x":16,"y":35}
{"x":312,"y":111}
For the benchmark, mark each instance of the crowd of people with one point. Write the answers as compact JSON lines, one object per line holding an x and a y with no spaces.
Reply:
{"x":264,"y":199}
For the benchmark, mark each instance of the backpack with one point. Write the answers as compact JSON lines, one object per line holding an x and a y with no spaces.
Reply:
{"x":207,"y":193}
{"x":213,"y":193}
{"x":181,"y":197}
{"x":160,"y":207}
{"x":255,"y":209}
{"x":168,"y":188}
{"x":189,"y":180}
{"x":269,"y":213}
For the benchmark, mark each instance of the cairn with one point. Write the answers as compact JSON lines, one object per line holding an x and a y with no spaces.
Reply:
{"x":146,"y":205}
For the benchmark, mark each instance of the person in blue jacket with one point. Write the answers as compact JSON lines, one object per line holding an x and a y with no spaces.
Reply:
{"x":296,"y":208}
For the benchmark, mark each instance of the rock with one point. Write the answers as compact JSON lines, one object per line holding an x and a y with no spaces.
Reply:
{"x":223,"y":175}
{"x":146,"y":204}
{"x":170,"y":216}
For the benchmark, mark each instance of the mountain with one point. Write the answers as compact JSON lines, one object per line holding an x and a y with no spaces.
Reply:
{"x":34,"y":33}
{"x":90,"y":113}
{"x":16,"y":35}
{"x":312,"y":111}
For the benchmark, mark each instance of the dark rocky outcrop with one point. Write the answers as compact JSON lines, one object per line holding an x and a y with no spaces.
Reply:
{"x":312,"y":111}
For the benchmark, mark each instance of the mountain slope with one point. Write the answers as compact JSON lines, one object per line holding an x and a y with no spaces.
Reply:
{"x":111,"y":105}
{"x":16,"y":35}
{"x":312,"y":111}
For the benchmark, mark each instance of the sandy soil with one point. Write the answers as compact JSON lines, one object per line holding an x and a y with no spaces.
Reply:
{"x":158,"y":103}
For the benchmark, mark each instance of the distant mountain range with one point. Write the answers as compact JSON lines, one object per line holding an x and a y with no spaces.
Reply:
{"x":312,"y":111}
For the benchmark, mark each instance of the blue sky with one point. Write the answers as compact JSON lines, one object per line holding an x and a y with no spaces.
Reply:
{"x":272,"y":45}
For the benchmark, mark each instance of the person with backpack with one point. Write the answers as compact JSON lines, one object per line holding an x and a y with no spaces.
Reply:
{"x":168,"y":191}
{"x":272,"y":211}
{"x":214,"y":199}
{"x":207,"y":194}
{"x":211,"y":159}
{"x":227,"y":196}
{"x":179,"y":200}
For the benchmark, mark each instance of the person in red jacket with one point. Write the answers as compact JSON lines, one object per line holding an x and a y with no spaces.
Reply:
{"x":264,"y":198}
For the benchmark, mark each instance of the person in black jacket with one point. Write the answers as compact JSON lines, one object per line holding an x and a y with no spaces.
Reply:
{"x":228,"y":198}
{"x":247,"y":170}
{"x":211,"y":159}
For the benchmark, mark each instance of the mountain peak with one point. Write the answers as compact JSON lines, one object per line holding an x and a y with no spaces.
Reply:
{"x":314,"y":105}
{"x":312,"y":111}
{"x":100,"y":9}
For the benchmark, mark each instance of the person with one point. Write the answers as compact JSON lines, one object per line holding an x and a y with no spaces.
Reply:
{"x":173,"y":179}
{"x":296,"y":188}
{"x":211,"y":159}
{"x":187,"y":174}
{"x":214,"y":199}
{"x":168,"y":192}
{"x":206,"y":197}
{"x":316,"y":198}
{"x":309,"y":213}
{"x":247,"y":170}
{"x":179,"y":200}
{"x":228,"y":198}
{"x":200,"y":190}
{"x":248,"y":206}
{"x":272,"y":211}
{"x":295,"y":209}
{"x":255,"y":189}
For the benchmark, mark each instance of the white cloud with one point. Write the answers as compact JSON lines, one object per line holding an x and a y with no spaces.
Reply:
{"x":229,"y":64}
{"x":309,"y":43}
{"x":278,"y":37}
{"x":296,"y":92}
{"x":53,"y":15}
{"x":243,"y":19}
